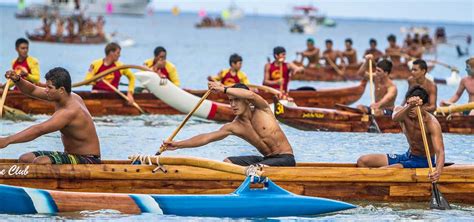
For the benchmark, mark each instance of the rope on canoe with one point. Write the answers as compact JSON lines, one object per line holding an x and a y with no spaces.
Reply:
{"x":450,"y":111}
{"x":147,"y":159}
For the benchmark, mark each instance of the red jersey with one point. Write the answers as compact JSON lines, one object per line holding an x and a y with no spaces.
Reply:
{"x":112,"y":78}
{"x":16,"y":66}
{"x":275,"y":74}
{"x":229,"y":80}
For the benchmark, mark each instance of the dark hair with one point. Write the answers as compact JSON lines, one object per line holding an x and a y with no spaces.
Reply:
{"x":328,"y":41}
{"x":385,"y":65}
{"x":21,"y":41}
{"x":349,"y":40}
{"x":468,"y":60}
{"x":158,"y":50}
{"x":310,"y":40}
{"x":417,"y":91}
{"x":240,"y":86}
{"x":278,"y":50}
{"x":373,"y":41}
{"x":422,"y":64}
{"x":392,"y":38}
{"x":111,"y":47}
{"x":60,"y":78}
{"x":235,"y":58}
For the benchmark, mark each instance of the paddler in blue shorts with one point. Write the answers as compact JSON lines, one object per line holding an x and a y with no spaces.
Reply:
{"x":415,"y":157}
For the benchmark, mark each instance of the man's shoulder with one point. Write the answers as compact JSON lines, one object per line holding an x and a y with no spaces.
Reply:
{"x":32,"y":59}
{"x":96,"y":62}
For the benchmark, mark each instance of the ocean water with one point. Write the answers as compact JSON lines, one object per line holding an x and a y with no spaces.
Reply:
{"x":198,"y":53}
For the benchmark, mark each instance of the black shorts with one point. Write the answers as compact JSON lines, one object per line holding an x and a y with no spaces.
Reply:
{"x":65,"y":158}
{"x":386,"y":112}
{"x":274,"y":160}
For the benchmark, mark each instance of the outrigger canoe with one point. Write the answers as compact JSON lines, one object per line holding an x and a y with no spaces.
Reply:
{"x":179,"y":175}
{"x":269,"y":201}
{"x":100,"y":104}
{"x":67,"y":40}
{"x":325,"y":73}
{"x":322,"y":119}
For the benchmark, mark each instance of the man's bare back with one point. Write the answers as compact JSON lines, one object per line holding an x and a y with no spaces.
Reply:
{"x":79,"y":135}
{"x":71,"y":118}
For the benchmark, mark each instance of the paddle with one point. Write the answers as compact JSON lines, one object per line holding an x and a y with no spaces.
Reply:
{"x":437,"y":199}
{"x":124,"y":96}
{"x":163,"y":148}
{"x":334,"y":66}
{"x":374,"y":127}
{"x":282,"y":76}
{"x":4,"y":96}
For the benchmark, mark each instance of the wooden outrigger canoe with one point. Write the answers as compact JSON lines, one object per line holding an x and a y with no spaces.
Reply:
{"x":321,"y":119}
{"x":325,"y":73}
{"x":67,"y":40}
{"x":100,"y":104}
{"x":340,"y":181}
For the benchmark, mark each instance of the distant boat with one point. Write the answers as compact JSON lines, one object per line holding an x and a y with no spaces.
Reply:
{"x":309,"y":21}
{"x":65,"y":7}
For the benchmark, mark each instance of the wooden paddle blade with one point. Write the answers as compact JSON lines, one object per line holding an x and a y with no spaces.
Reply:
{"x":437,"y":199}
{"x":16,"y":114}
{"x":374,"y":127}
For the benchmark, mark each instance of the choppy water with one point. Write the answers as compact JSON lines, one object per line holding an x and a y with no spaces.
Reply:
{"x":198,"y":53}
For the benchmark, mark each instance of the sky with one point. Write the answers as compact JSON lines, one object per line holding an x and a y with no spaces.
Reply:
{"x":461,"y":11}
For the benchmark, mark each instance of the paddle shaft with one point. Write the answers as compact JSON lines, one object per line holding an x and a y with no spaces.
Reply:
{"x":4,"y":96}
{"x":371,"y":84}
{"x":282,"y":78}
{"x":423,"y":135}
{"x":123,"y":96}
{"x":204,"y":97}
{"x":334,"y":66}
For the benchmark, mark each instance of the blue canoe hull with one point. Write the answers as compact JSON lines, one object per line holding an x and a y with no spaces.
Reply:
{"x":270,"y":201}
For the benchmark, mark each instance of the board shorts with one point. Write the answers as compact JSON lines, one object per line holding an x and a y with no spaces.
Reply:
{"x":273,"y":160}
{"x":386,"y":112}
{"x":64,"y":158}
{"x":409,"y":161}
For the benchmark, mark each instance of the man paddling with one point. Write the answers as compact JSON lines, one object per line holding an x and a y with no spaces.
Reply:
{"x":254,"y":122}
{"x":112,"y":54}
{"x":467,"y":83}
{"x":277,"y":73}
{"x":415,"y":157}
{"x":350,"y":53}
{"x":330,"y":55}
{"x":26,"y":66}
{"x":311,"y":53}
{"x":373,"y":50}
{"x":232,"y":75}
{"x":418,"y":77}
{"x":163,"y":67}
{"x":71,"y":118}
{"x":385,"y":90}
{"x":393,"y":50}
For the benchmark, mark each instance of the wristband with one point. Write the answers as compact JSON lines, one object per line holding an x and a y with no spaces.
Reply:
{"x":225,"y":90}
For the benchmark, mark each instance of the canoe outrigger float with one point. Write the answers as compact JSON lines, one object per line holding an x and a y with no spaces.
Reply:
{"x":180,"y":175}
{"x":269,"y":201}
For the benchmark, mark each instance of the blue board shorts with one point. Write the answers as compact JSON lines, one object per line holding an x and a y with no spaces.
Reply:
{"x":409,"y":161}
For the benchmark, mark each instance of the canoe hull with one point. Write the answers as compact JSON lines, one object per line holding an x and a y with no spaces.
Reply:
{"x":270,"y":201}
{"x":319,"y":119}
{"x":68,"y":40}
{"x":350,"y":73}
{"x":101,"y":104}
{"x":327,"y":180}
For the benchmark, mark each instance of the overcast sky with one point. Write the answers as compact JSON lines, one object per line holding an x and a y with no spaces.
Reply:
{"x":419,"y":10}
